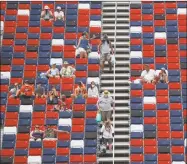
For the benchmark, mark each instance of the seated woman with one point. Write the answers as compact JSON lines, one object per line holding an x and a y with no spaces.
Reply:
{"x":53,"y":72}
{"x":107,"y":132}
{"x":52,"y":96}
{"x":59,"y":14}
{"x":15,"y":91}
{"x":93,"y":90}
{"x":40,"y":91}
{"x":36,"y":134}
{"x":163,"y":76}
{"x":83,"y":47}
{"x":46,"y":14}
{"x":67,"y":71}
{"x":63,"y":104}
{"x":80,"y":91}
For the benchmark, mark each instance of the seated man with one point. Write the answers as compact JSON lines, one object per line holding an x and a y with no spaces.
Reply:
{"x":59,"y":14}
{"x":36,"y":134}
{"x":46,"y":14}
{"x":40,"y":91}
{"x":163,"y":76}
{"x":27,"y":90}
{"x":14,"y":92}
{"x":53,"y":72}
{"x":80,"y":91}
{"x":67,"y":71}
{"x":148,"y":75}
{"x":51,"y":133}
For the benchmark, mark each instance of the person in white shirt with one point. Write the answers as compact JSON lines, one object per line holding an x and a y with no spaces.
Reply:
{"x":59,"y":14}
{"x":67,"y":70}
{"x":148,"y":75}
{"x":107,"y":132}
{"x":162,"y":76}
{"x":53,"y":72}
{"x":93,"y":90}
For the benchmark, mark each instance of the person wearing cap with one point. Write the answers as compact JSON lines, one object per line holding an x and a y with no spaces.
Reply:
{"x":105,"y":49}
{"x":148,"y":75}
{"x":59,"y":14}
{"x":15,"y":91}
{"x":80,"y":91}
{"x":67,"y":70}
{"x":51,"y":133}
{"x":93,"y":90}
{"x":46,"y":14}
{"x":104,"y":105}
{"x":27,"y":90}
{"x":53,"y":72}
{"x":162,"y":76}
{"x":83,"y":46}
{"x":36,"y":134}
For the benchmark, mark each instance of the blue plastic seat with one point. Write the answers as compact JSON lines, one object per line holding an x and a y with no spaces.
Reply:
{"x":96,"y":6}
{"x":35,"y":144}
{"x":17,"y":74}
{"x":43,"y":61}
{"x":8,"y":144}
{"x":173,"y":72}
{"x":174,"y":78}
{"x":184,"y":99}
{"x":148,"y":60}
{"x":6,"y":55}
{"x":63,"y":6}
{"x":82,"y":29}
{"x":24,"y":115}
{"x":149,"y":113}
{"x":136,"y":99}
{"x":19,"y":55}
{"x":160,"y":47}
{"x":10,"y":18}
{"x":46,"y":29}
{"x":35,"y":12}
{"x":2,"y":12}
{"x":183,"y":60}
{"x":182,"y":34}
{"x":58,"y":23}
{"x":70,"y":42}
{"x":136,"y":135}
{"x":183,"y":47}
{"x":48,"y":158}
{"x":89,"y":150}
{"x":51,"y":121}
{"x":148,"y":35}
{"x":45,"y":48}
{"x":182,"y":4}
{"x":77,"y":136}
{"x":9,"y":137}
{"x":135,"y":106}
{"x":7,"y":49}
{"x":150,"y":157}
{"x":136,"y":60}
{"x":12,"y":108}
{"x":31,"y":61}
{"x":159,"y":66}
{"x":177,"y":142}
{"x":147,"y":11}
{"x":65,"y":114}
{"x":76,"y":151}
{"x":91,"y":107}
{"x":171,"y":23}
{"x":163,"y":142}
{"x":177,"y":157}
{"x":136,"y":86}
{"x":90,"y":143}
{"x":3,"y":101}
{"x":147,"y":5}
{"x":176,"y":113}
{"x":4,"y":81}
{"x":65,"y":128}
{"x":176,"y":127}
{"x":33,"y":36}
{"x":35,"y":17}
{"x":148,"y":41}
{"x":34,"y":24}
{"x":149,"y":127}
{"x":91,"y":128}
{"x":135,"y":23}
{"x":171,"y":11}
{"x":175,"y":99}
{"x":90,"y":121}
{"x":39,"y":108}
{"x":24,"y":122}
{"x":72,"y":6}
{"x":45,"y":42}
{"x":160,"y":29}
{"x":93,"y":61}
{"x":20,"y":42}
{"x":135,"y":35}
{"x":21,"y":152}
{"x":136,"y":48}
{"x":95,"y":17}
{"x":58,"y":36}
{"x":44,"y":54}
{"x":172,"y":28}
{"x":62,"y":159}
{"x":136,"y":120}
{"x":162,"y":106}
{"x":149,"y":93}
{"x":63,"y":143}
{"x":36,"y":6}
{"x":176,"y":120}
{"x":147,"y":23}
{"x":49,"y":151}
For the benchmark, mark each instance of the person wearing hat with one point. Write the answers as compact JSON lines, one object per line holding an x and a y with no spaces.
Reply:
{"x":148,"y":75}
{"x":67,"y":70}
{"x":104,"y":105}
{"x":46,"y":14}
{"x":53,"y":72}
{"x":162,"y":76}
{"x":59,"y":14}
{"x":27,"y":90}
{"x":83,"y":47}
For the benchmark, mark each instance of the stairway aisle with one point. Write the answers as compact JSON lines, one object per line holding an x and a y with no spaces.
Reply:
{"x":120,"y":35}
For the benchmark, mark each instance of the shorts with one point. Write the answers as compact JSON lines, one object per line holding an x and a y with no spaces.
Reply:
{"x":79,"y":50}
{"x":105,"y":57}
{"x":107,"y":140}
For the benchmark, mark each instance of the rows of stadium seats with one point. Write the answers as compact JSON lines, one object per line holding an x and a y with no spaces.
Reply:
{"x":158,"y":32}
{"x":29,"y":47}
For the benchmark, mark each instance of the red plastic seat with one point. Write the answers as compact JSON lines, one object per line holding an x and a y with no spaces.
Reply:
{"x":34,"y":29}
{"x":148,"y":47}
{"x":136,"y":42}
{"x":135,"y":17}
{"x":12,"y":101}
{"x":20,"y":159}
{"x":19,"y":48}
{"x":160,"y":41}
{"x":24,"y":6}
{"x":136,"y":93}
{"x":136,"y":157}
{"x":149,"y":107}
{"x":159,"y":5}
{"x":11,"y":12}
{"x":57,"y":48}
{"x":21,"y":18}
{"x":77,"y":121}
{"x":164,"y":157}
{"x":49,"y":144}
{"x":177,"y":149}
{"x":35,"y":151}
{"x":135,"y":11}
{"x":22,"y":144}
{"x":33,"y":42}
{"x":9,"y":30}
{"x":16,"y":80}
{"x":182,"y":41}
{"x":90,"y":158}
{"x":136,"y":142}
{"x":81,"y":73}
{"x":174,"y":86}
{"x":150,"y":149}
{"x":70,"y":35}
{"x":54,"y":80}
{"x":163,"y":134}
{"x":147,"y":29}
{"x":91,"y":100}
{"x":172,"y":47}
{"x":43,"y":68}
{"x":23,"y":137}
{"x":150,"y":142}
{"x":4,"y":88}
{"x":148,"y":53}
{"x":46,"y":23}
{"x":95,"y":11}
{"x":11,"y":115}
{"x":159,"y":11}
{"x":22,"y":23}
{"x":52,"y":114}
{"x":67,"y":87}
{"x":63,"y":136}
{"x":95,"y":29}
{"x":171,"y":5}
{"x":82,"y":61}
{"x":177,"y":134}
{"x":136,"y":66}
{"x":38,"y":115}
{"x":78,"y":107}
{"x":182,"y":17}
{"x":5,"y":68}
{"x":163,"y":127}
{"x":69,"y":54}
{"x":45,"y":36}
{"x":58,"y":29}
{"x":148,"y":87}
{"x":11,"y":122}
{"x":160,"y":60}
{"x":91,"y":114}
{"x":7,"y":152}
{"x":37,"y":121}
{"x":31,"y":54}
{"x":40,"y":101}
{"x":30,"y":74}
{"x":162,"y":99}
{"x":162,"y":92}
{"x":147,"y":17}
{"x":149,"y":120}
{"x":83,"y":12}
{"x":171,"y":16}
{"x":173,"y":59}
{"x":162,"y":113}
{"x":159,"y":23}
{"x":21,"y":36}
{"x":163,"y":120}
{"x":63,"y":151}
{"x":174,"y":106}
{"x":3,"y":108}
{"x":77,"y":128}
{"x":173,"y":53}
{"x":76,"y":158}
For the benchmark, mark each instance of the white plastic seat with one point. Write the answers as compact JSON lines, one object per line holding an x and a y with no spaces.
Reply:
{"x":57,"y":42}
{"x":5,"y":75}
{"x":185,"y":142}
{"x":77,"y":144}
{"x":10,"y":130}
{"x":149,"y":100}
{"x":2,"y":27}
{"x":93,"y":55}
{"x":95,"y":79}
{"x":65,"y":122}
{"x":26,"y":108}
{"x":178,"y":162}
{"x":23,"y":12}
{"x":34,"y":160}
{"x":95,"y":23}
{"x":135,"y":29}
{"x":160,"y":35}
{"x":181,"y":11}
{"x":136,"y":54}
{"x":84,"y":6}
{"x":57,"y":61}
{"x":136,"y":128}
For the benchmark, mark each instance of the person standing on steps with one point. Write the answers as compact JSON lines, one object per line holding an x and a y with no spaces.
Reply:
{"x":105,"y":49}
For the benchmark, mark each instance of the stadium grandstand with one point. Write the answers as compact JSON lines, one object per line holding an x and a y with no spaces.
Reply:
{"x":93,"y":82}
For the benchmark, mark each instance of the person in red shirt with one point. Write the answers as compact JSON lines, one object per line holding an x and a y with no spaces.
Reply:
{"x":63,"y":103}
{"x":27,"y":90}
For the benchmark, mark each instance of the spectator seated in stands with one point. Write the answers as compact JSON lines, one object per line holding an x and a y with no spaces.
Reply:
{"x":162,"y":76}
{"x":46,"y":14}
{"x":15,"y":91}
{"x":27,"y":90}
{"x":53,"y":72}
{"x":40,"y":91}
{"x":148,"y":75}
{"x":63,"y":104}
{"x":51,"y":133}
{"x":80,"y":91}
{"x":104,"y":48}
{"x":52,"y":96}
{"x":59,"y":14}
{"x":107,"y":132}
{"x":36,"y":134}
{"x":93,"y":90}
{"x":83,"y":47}
{"x":67,"y":70}
{"x":104,"y":105}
